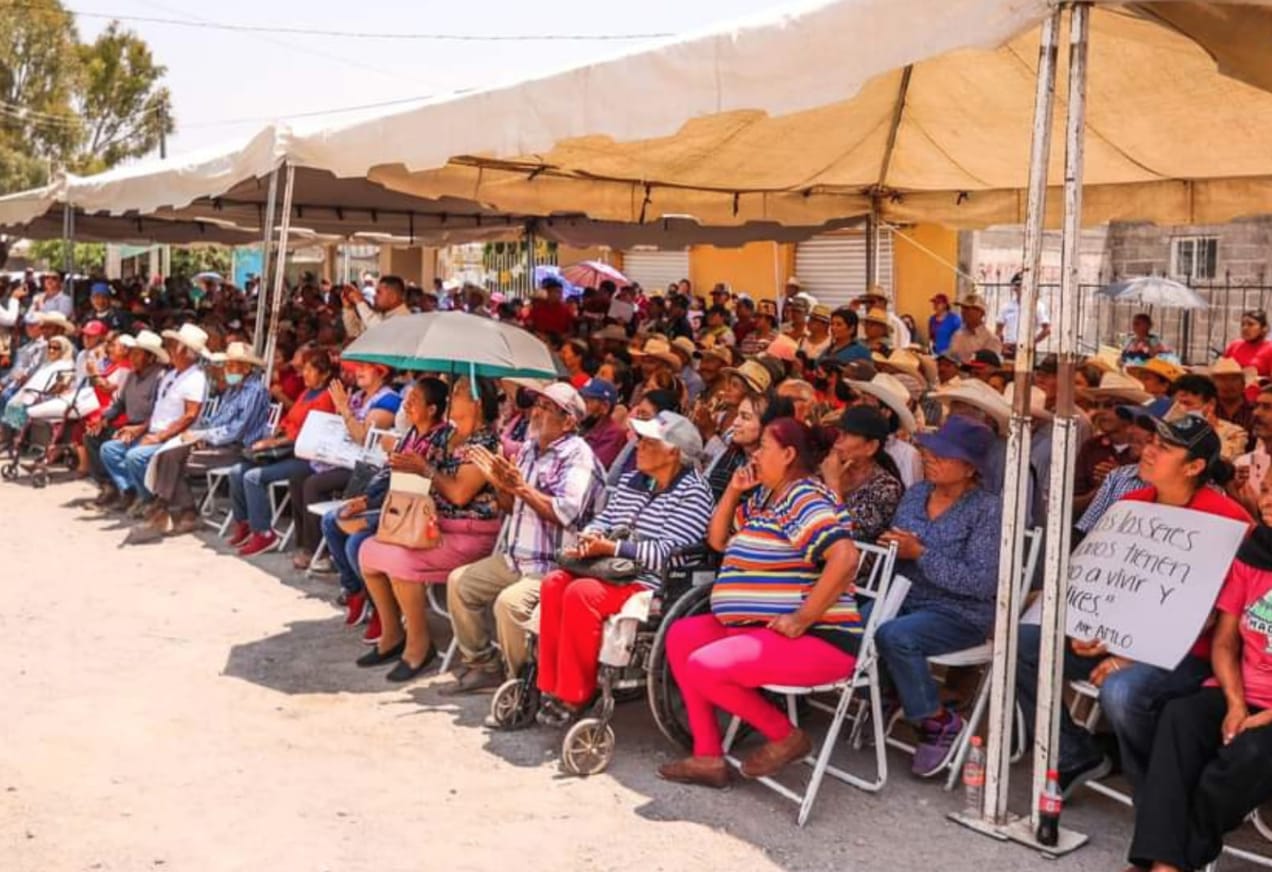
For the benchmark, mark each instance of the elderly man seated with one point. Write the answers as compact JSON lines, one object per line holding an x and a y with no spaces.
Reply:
{"x":131,"y":407}
{"x":549,"y":494}
{"x":178,"y":401}
{"x":241,"y":419}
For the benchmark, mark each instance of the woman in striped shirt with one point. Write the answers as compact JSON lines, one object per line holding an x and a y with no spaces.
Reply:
{"x":782,"y":607}
{"x":665,"y":505}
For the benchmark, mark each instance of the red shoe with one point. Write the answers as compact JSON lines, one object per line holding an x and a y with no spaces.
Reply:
{"x":239,"y":534}
{"x":372,"y":634}
{"x":356,"y":606}
{"x":257,"y":543}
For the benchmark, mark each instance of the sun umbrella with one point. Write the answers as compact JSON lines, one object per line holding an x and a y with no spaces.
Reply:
{"x":590,"y":274}
{"x":1154,"y":291}
{"x":454,"y":342}
{"x":551,"y":270}
{"x":210,"y":277}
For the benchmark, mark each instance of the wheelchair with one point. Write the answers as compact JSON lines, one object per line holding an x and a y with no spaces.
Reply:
{"x":45,"y":442}
{"x":632,"y":662}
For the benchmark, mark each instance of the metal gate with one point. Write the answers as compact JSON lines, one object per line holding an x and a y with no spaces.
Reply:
{"x":833,"y":267}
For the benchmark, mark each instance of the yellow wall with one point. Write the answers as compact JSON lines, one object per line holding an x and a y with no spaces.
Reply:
{"x":758,"y":268}
{"x":917,"y":275}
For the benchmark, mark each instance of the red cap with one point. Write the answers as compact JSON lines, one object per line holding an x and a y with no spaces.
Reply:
{"x":940,"y":298}
{"x":94,"y":328}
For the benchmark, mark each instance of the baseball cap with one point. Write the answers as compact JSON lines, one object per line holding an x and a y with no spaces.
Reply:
{"x":674,"y":430}
{"x":599,"y":389}
{"x":941,"y":298}
{"x":864,"y":421}
{"x":100,"y":289}
{"x":94,"y":328}
{"x":984,"y":359}
{"x":1190,"y":431}
{"x":567,"y":398}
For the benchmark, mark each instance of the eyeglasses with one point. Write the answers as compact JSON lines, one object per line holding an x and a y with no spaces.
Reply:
{"x":545,"y":405}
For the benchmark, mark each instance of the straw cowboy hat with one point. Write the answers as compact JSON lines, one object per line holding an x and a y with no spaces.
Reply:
{"x":1122,"y":386}
{"x":192,"y":337}
{"x":1228,"y":366}
{"x":873,"y":292}
{"x":981,"y":396}
{"x":973,"y":301}
{"x":820,"y":312}
{"x":237,"y":352}
{"x":661,"y":349}
{"x":1158,"y":366}
{"x":900,"y":360}
{"x":878,"y":316}
{"x":146,"y":341}
{"x":753,"y":373}
{"x":890,"y":391}
{"x":611,"y":332}
{"x":1037,"y":401}
{"x":685,"y":346}
{"x":1107,"y":359}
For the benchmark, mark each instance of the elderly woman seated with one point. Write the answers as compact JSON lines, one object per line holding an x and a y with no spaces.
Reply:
{"x":862,"y":473}
{"x":467,"y":515}
{"x":46,"y":394}
{"x":782,"y":606}
{"x":657,"y":510}
{"x":946,"y":531}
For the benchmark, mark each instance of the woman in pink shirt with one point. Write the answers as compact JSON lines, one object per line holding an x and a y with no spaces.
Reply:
{"x":1253,"y":348}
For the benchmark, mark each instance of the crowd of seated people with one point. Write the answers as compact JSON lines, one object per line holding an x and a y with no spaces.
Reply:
{"x":779,"y":439}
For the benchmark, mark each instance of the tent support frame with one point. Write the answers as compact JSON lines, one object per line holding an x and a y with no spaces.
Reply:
{"x":258,"y":335}
{"x":280,"y":271}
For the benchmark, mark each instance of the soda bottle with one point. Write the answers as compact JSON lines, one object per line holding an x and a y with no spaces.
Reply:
{"x":1050,"y":803}
{"x":974,"y":779}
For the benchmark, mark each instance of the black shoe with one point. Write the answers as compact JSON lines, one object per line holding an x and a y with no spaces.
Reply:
{"x":375,"y":658}
{"x":405,"y":671}
{"x":1072,"y":779}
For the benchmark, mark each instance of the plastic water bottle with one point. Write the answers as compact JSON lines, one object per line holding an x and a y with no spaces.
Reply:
{"x":1050,"y":804}
{"x":974,"y":779}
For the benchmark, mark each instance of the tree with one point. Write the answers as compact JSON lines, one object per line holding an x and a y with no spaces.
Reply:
{"x":90,"y":257}
{"x":189,"y":262}
{"x":125,"y":111}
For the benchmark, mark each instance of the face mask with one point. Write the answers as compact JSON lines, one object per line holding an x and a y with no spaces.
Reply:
{"x":233,"y":378}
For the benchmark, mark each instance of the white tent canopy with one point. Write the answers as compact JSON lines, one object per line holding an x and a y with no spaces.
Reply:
{"x":802,"y":115}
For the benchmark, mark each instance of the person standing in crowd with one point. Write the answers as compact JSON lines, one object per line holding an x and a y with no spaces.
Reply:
{"x":53,"y":298}
{"x":1008,"y":328}
{"x":817,"y":340}
{"x":678,"y":324}
{"x":549,"y":493}
{"x":1253,"y":349}
{"x":973,"y":335}
{"x":551,"y":315}
{"x":795,"y":314}
{"x":603,"y":434}
{"x":1143,"y":344}
{"x":941,"y":529}
{"x":1178,"y":466}
{"x":782,"y":608}
{"x":390,"y":302}
{"x":943,"y":324}
{"x":744,"y":317}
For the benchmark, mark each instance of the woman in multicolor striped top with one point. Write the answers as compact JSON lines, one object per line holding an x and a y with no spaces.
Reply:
{"x":782,"y":610}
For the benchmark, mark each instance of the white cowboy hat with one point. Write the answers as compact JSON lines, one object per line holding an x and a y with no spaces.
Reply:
{"x":190,"y":336}
{"x":889,"y":390}
{"x":1118,"y":384}
{"x":1037,"y":401}
{"x":55,"y":319}
{"x":901,"y":361}
{"x":146,"y":340}
{"x":976,"y":393}
{"x":238,"y":352}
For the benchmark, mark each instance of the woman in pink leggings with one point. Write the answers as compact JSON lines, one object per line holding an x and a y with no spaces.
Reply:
{"x":782,"y":608}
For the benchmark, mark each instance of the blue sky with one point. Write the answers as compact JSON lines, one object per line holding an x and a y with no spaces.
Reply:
{"x":220,"y":76}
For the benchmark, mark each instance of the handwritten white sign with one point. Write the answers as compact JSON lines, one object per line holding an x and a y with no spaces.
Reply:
{"x":1145,"y":579}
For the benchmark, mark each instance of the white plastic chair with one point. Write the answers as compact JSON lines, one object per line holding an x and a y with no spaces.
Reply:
{"x":221,"y":475}
{"x":889,"y":592}
{"x":376,"y":446}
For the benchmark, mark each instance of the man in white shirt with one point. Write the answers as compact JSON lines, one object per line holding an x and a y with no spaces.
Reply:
{"x":973,"y":336}
{"x":178,"y":402}
{"x":390,"y":302}
{"x":1009,"y":317}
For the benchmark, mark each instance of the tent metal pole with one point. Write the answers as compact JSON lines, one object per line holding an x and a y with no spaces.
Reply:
{"x":258,"y":334}
{"x":280,"y":272}
{"x":872,"y":244}
{"x":1016,"y":496}
{"x":530,"y":264}
{"x":1065,"y":433}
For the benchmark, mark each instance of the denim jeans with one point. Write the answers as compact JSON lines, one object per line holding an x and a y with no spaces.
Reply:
{"x":908,"y":640}
{"x":344,"y":548}
{"x":1132,"y":699}
{"x":126,"y":465}
{"x":249,"y":489}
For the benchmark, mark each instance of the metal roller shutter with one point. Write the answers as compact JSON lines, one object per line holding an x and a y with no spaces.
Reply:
{"x":833,"y":267}
{"x":654,"y":270}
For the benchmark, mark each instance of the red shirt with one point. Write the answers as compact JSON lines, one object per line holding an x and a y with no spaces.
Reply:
{"x":1256,"y":354}
{"x":1247,"y":593}
{"x":307,"y":402}
{"x":547,"y":317}
{"x":1212,"y":502}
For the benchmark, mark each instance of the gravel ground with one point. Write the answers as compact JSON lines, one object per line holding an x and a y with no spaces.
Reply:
{"x":172,"y":707}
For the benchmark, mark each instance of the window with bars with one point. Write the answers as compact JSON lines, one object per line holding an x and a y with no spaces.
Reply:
{"x":1194,"y":258}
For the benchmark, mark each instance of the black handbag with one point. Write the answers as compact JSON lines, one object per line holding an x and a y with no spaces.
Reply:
{"x":360,"y":479}
{"x":272,"y":454}
{"x":616,"y":570}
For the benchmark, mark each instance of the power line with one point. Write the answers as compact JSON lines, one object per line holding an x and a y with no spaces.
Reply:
{"x":339,"y":34}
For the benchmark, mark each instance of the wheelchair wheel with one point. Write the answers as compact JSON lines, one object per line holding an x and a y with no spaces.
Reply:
{"x":9,"y":472}
{"x":513,"y":705}
{"x":664,"y":697}
{"x":588,"y":747}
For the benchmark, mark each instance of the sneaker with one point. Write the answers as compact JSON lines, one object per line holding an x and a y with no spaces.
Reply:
{"x":373,"y":631}
{"x":322,"y":566}
{"x":258,"y":543}
{"x":1073,"y":778}
{"x":356,"y":605}
{"x":933,"y":752}
{"x":239,"y":534}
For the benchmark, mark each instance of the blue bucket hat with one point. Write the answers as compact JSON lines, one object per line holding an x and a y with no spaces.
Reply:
{"x":960,"y":438}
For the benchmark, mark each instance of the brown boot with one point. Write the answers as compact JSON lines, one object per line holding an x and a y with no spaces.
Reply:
{"x":772,"y":756}
{"x":706,"y":771}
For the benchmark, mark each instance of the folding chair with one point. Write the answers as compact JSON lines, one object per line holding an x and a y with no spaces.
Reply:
{"x":438,"y":605}
{"x":221,"y":475}
{"x":888,"y":592}
{"x":982,"y":655}
{"x":375,"y":446}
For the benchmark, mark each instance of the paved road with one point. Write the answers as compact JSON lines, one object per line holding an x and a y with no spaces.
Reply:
{"x":174,"y":708}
